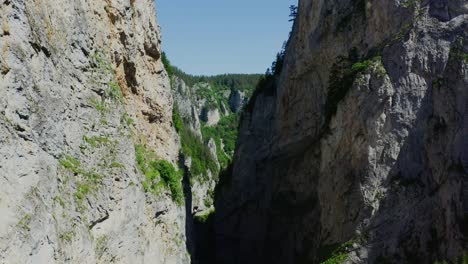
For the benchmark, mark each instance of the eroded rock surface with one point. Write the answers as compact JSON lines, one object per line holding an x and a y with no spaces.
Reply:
{"x":362,"y":142}
{"x":81,"y":83}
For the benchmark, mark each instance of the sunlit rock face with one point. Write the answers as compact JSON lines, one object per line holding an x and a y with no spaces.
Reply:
{"x":81,"y":83}
{"x":361,"y":147}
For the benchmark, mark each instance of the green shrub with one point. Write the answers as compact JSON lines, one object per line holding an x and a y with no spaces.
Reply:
{"x":90,"y":180}
{"x":25,"y":222}
{"x":172,"y":178}
{"x":159,"y":173}
{"x":204,"y":218}
{"x":193,"y":146}
{"x":202,"y":160}
{"x":335,"y":254}
{"x":342,"y":77}
{"x":97,"y":141}
{"x":167,"y":65}
{"x":226,"y":132}
{"x":176,"y":119}
{"x":114,"y":92}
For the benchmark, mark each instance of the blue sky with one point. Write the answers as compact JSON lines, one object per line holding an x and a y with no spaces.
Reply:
{"x":223,"y":36}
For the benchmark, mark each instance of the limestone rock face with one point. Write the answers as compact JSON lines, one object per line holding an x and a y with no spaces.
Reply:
{"x":81,"y":83}
{"x":362,"y":142}
{"x":236,"y":100}
{"x":187,"y":104}
{"x":210,"y":116}
{"x":190,"y":108}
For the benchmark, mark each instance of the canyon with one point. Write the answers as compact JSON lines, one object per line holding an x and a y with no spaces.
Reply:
{"x":352,"y":148}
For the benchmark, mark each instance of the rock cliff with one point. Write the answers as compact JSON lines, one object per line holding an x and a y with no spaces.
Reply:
{"x":82,"y":87}
{"x":357,"y":151}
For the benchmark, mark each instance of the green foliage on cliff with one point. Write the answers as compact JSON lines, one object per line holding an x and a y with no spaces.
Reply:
{"x":335,"y":254}
{"x":238,"y":82}
{"x":225,"y":131}
{"x":267,"y":83}
{"x":171,"y":177}
{"x":159,"y":174}
{"x":193,"y":146}
{"x":342,"y":77}
{"x":167,"y":65}
{"x":204,"y":218}
{"x":90,"y":179}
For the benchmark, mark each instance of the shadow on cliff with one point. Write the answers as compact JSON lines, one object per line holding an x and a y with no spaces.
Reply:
{"x":189,"y":229}
{"x":421,"y":219}
{"x":199,"y":234}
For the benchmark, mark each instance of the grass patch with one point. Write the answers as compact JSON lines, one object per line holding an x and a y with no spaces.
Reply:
{"x":89,"y":182}
{"x":67,"y":236}
{"x":101,"y":245}
{"x":126,"y":120}
{"x":100,"y":106}
{"x":97,"y":141}
{"x":25,"y":222}
{"x":60,"y":201}
{"x":114,"y":92}
{"x":71,"y":163}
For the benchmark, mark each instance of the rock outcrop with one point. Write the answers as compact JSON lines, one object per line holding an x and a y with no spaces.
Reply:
{"x":236,"y":101}
{"x":210,"y":116}
{"x":187,"y":104}
{"x":359,"y":153}
{"x":81,"y":84}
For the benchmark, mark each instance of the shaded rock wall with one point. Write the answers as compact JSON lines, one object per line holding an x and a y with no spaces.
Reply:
{"x":362,"y":140}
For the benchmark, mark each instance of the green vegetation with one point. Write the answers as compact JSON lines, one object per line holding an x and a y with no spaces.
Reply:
{"x":114,"y":92}
{"x":172,"y":178}
{"x":103,"y":77}
{"x":126,"y":120}
{"x":71,"y":163}
{"x":60,"y":201}
{"x":177,"y":119}
{"x":335,"y":254}
{"x":167,"y":65}
{"x":410,"y":3}
{"x":342,"y":77}
{"x":97,"y":141}
{"x":236,"y":82}
{"x":204,"y":218}
{"x":463,"y":259}
{"x":219,"y":86}
{"x":67,"y":236}
{"x":159,"y":173}
{"x":216,"y":91}
{"x":25,"y":222}
{"x":225,"y":131}
{"x":267,"y":83}
{"x":100,"y":106}
{"x":458,"y":52}
{"x":90,"y":179}
{"x":292,"y":12}
{"x":101,"y":245}
{"x":192,"y":146}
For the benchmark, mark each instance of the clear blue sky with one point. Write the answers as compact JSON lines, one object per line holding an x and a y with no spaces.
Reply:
{"x":223,"y":36}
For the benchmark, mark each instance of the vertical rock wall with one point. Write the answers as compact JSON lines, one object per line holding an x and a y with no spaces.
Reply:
{"x":81,"y":84}
{"x":360,"y":148}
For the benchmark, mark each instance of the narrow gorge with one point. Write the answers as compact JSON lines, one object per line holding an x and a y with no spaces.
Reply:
{"x":351,"y":148}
